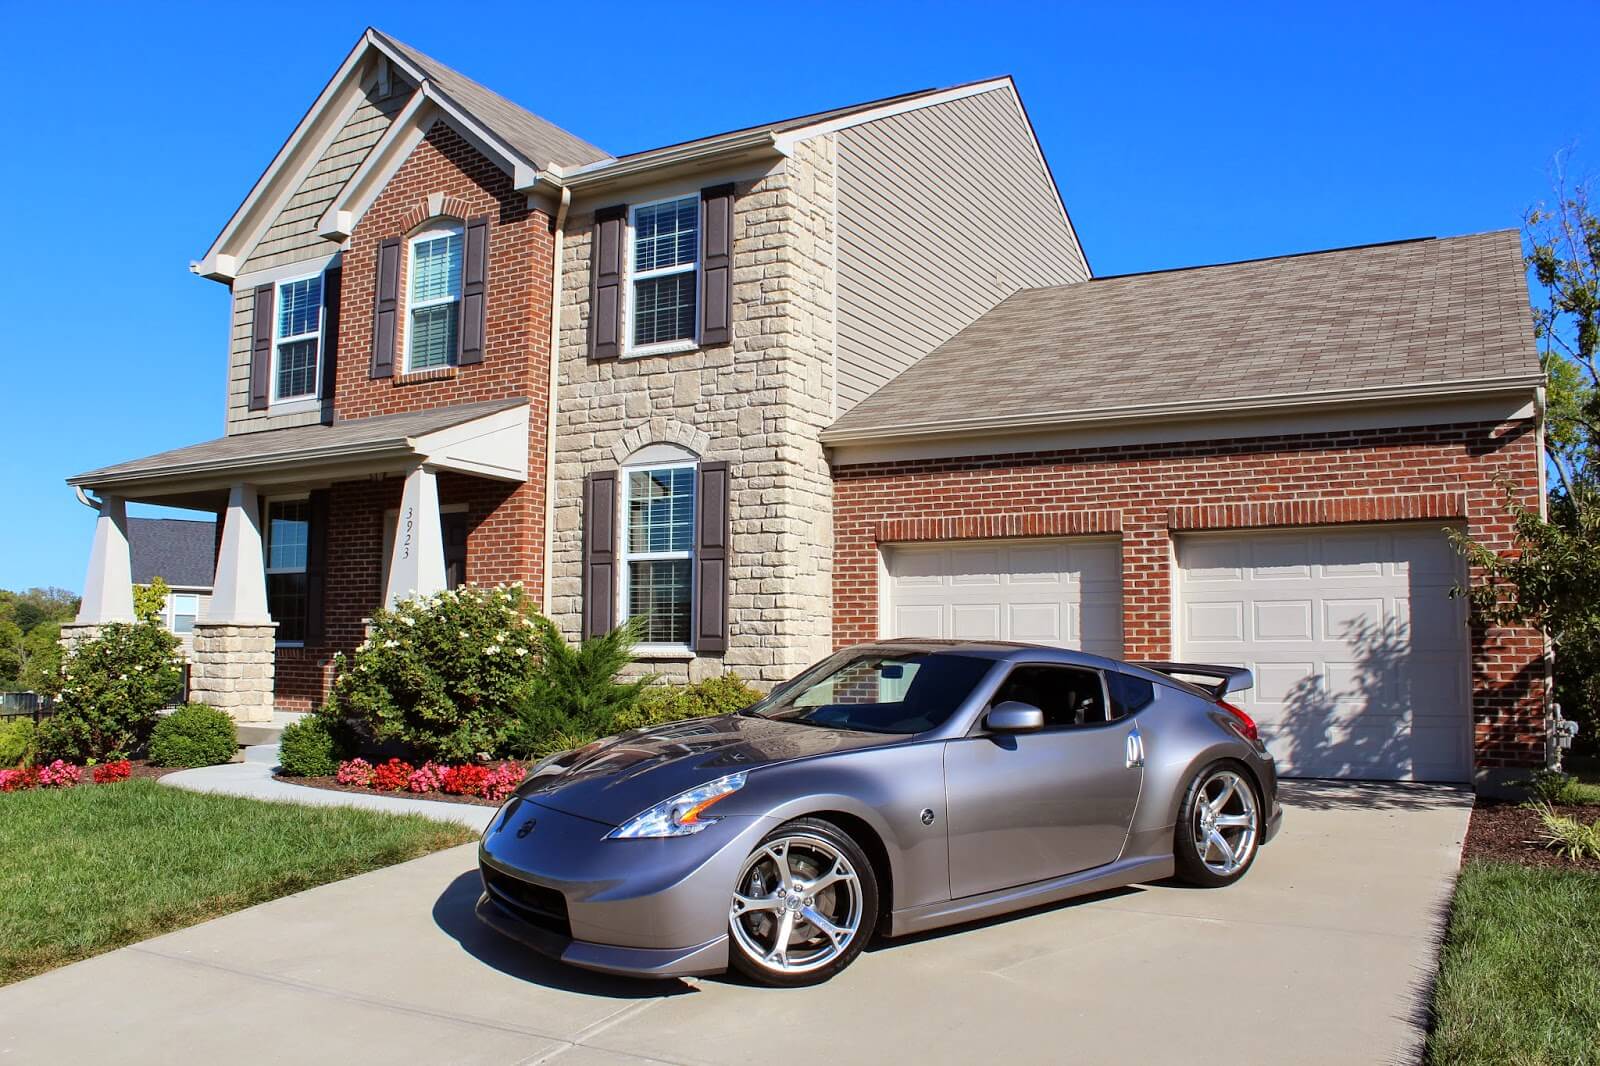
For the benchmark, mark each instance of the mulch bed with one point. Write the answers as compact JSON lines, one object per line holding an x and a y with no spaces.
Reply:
{"x":1509,"y":832}
{"x":333,"y":785}
{"x":141,"y":768}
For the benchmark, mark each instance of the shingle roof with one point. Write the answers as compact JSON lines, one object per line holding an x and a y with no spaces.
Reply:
{"x":182,"y":552}
{"x":1423,"y":312}
{"x":354,"y":437}
{"x":542,"y":142}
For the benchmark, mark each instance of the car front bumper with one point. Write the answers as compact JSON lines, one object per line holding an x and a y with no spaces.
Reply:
{"x":642,"y":908}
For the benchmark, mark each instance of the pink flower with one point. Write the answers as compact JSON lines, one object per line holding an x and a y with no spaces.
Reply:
{"x":18,"y":780}
{"x":357,"y":772}
{"x":502,"y":781}
{"x":60,"y":774}
{"x":425,"y":778}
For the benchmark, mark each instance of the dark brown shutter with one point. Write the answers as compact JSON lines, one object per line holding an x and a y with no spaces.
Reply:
{"x":605,"y":290}
{"x":316,"y":567}
{"x":385,"y":320}
{"x":599,"y":553}
{"x":716,"y":265}
{"x":261,"y":348}
{"x":332,"y":283}
{"x":711,"y":560}
{"x":474,"y":298}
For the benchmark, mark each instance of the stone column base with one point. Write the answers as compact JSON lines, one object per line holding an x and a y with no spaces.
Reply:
{"x":233,"y":668}
{"x":75,"y":633}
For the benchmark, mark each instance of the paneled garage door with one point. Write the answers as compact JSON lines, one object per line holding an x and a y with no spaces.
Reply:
{"x":1062,"y":592}
{"x":1359,"y":651}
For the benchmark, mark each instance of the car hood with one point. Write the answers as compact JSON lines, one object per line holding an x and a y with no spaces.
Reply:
{"x":614,"y":779}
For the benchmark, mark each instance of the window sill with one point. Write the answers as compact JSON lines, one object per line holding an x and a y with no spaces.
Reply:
{"x":298,"y":405}
{"x":672,"y":348}
{"x":661,"y":652}
{"x":415,"y":377}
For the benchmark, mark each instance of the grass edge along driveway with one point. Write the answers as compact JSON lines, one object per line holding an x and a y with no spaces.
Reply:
{"x":1519,"y":975}
{"x":89,"y":869}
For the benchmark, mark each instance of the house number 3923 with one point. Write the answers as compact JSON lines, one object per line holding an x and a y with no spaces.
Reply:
{"x":405,"y":539}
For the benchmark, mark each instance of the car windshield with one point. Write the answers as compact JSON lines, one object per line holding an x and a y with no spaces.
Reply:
{"x":880,"y":692}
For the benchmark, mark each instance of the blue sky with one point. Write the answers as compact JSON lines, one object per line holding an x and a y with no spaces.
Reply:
{"x":1180,"y":134}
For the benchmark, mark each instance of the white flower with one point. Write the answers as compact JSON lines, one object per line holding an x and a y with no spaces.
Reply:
{"x":493,"y":649}
{"x":522,"y":651}
{"x":391,"y":644}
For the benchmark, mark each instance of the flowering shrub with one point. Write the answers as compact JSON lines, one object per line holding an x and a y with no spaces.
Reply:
{"x":424,"y":778}
{"x":356,"y":772}
{"x":110,"y":690}
{"x":391,"y":776}
{"x":19,"y":780}
{"x":502,"y":781}
{"x":59,"y":774}
{"x":108,"y":772}
{"x":441,"y":674}
{"x":465,"y":780}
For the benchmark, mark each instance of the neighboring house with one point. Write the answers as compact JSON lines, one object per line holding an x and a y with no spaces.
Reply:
{"x":839,"y":377}
{"x":183,"y":553}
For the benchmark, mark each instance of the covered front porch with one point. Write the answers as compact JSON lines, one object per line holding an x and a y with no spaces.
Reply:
{"x":286,"y":498}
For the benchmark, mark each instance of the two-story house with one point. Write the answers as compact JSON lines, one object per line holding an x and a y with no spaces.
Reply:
{"x":838,"y":377}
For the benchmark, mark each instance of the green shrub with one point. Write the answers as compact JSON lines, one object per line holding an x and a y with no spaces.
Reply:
{"x":16,"y":742}
{"x":443,"y":674}
{"x":308,"y":749}
{"x":1561,"y":790}
{"x":660,"y":704}
{"x":194,"y":735}
{"x":111,"y":690}
{"x":577,"y":692}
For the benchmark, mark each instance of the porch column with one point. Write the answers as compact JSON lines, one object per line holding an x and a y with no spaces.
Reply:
{"x":108,"y":586}
{"x":416,"y":562}
{"x":235,"y":647}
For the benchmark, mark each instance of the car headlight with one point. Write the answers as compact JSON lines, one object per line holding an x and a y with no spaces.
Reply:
{"x":681,"y":815}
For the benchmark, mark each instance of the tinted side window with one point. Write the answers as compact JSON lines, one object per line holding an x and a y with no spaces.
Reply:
{"x":1129,"y":694}
{"x":1067,"y":696}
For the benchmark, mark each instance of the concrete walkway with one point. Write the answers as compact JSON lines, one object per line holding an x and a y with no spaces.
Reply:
{"x":253,"y":779}
{"x":1324,"y":953}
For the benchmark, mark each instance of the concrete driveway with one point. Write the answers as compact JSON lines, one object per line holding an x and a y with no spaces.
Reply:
{"x":1322,"y":954}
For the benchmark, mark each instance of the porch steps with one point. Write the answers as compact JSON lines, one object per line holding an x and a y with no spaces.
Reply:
{"x":253,"y":733}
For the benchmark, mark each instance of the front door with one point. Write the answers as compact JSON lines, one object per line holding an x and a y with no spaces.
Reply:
{"x":1034,"y":806}
{"x":453,"y":528}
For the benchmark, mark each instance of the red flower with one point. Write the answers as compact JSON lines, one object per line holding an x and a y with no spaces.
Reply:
{"x":108,"y":772}
{"x":465,"y":780}
{"x":391,"y":776}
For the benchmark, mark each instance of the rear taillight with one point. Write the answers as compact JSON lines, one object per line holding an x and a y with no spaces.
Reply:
{"x":1247,"y":725}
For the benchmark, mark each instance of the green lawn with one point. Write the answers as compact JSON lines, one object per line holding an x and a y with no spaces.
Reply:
{"x":1519,"y":981}
{"x":86,"y":870}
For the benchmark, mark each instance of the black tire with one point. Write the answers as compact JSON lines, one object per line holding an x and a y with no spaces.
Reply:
{"x":1192,"y":867}
{"x":829,"y":835}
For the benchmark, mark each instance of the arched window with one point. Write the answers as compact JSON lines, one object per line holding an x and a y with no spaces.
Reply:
{"x":433,"y":297}
{"x":658,"y":502}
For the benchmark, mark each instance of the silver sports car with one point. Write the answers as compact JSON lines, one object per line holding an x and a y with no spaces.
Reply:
{"x":892,"y":788}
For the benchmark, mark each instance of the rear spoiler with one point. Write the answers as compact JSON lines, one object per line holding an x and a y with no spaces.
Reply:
{"x":1222,"y":679}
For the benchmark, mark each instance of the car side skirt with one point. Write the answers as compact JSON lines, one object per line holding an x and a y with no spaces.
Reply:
{"x":1003,"y":901}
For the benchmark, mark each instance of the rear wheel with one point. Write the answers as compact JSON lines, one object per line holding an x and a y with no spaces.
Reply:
{"x":1218,"y":828}
{"x":803,"y":906}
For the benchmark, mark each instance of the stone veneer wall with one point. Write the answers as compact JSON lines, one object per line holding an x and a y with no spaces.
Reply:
{"x":233,"y":669}
{"x":759,"y":403}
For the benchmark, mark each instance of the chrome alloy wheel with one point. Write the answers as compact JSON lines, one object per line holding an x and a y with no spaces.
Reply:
{"x":1225,"y":822}
{"x":796,"y":905}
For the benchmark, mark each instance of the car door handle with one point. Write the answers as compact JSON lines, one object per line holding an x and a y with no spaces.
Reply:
{"x":1135,"y":750}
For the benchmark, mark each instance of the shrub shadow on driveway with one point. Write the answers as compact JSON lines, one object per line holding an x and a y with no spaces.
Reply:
{"x":453,"y":914}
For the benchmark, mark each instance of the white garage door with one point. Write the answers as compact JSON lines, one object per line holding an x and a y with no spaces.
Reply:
{"x":1359,"y":651}
{"x":1061,"y":592}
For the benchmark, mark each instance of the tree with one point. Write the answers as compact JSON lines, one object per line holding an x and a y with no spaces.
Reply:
{"x":150,"y":601}
{"x":10,"y":654}
{"x":41,"y":658}
{"x":1552,"y":579}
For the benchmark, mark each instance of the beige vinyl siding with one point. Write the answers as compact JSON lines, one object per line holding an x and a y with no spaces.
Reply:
{"x":943,"y":212}
{"x":240,"y":418}
{"x":293,"y":234}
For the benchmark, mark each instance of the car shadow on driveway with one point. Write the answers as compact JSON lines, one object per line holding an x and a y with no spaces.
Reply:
{"x":453,"y":914}
{"x":881,"y":943}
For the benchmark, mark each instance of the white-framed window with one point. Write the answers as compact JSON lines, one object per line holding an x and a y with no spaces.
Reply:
{"x":297,"y":339}
{"x":433,"y":297}
{"x":182,"y":610}
{"x":658,"y":502}
{"x":663,"y":274}
{"x":287,"y":547}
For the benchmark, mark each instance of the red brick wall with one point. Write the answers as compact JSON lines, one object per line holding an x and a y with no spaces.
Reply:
{"x":1147,"y":492}
{"x":506,"y":523}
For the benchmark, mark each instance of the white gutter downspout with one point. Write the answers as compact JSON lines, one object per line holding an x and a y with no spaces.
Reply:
{"x":550,"y":403}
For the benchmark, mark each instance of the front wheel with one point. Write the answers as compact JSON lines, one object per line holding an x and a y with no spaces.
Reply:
{"x":1218,"y":828}
{"x":803,"y":906}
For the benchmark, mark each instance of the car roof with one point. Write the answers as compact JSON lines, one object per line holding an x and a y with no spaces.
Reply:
{"x":990,"y":649}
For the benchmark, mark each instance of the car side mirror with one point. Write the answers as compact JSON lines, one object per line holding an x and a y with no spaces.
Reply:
{"x":1013,"y":716}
